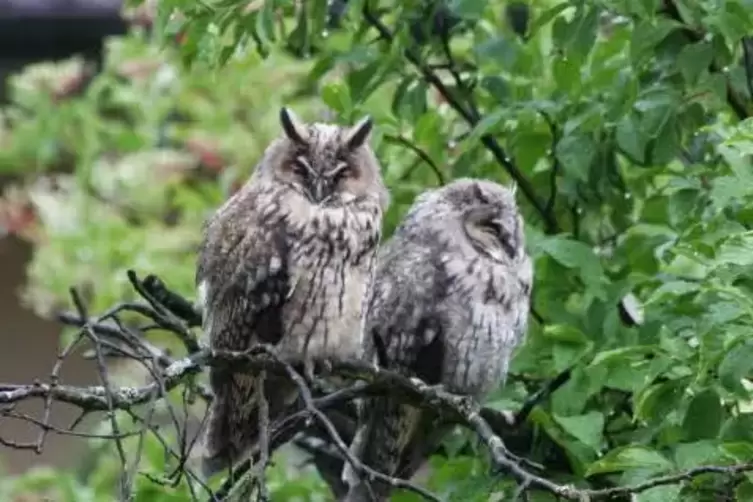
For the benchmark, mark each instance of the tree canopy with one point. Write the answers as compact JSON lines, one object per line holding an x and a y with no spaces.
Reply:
{"x":625,"y":126}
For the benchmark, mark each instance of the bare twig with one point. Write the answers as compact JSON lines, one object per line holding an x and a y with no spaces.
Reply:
{"x":556,"y":166}
{"x":539,"y":396}
{"x":747,"y":44}
{"x":171,"y":301}
{"x":163,"y":316}
{"x":360,"y":468}
{"x":402,"y":141}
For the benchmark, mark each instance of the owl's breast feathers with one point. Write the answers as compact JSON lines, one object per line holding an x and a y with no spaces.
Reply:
{"x":278,"y":270}
{"x":331,"y":267}
{"x":486,"y":313}
{"x":353,"y":229}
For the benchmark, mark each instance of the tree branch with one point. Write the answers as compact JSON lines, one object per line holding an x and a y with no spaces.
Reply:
{"x":421,"y":154}
{"x":318,"y":405}
{"x":472,"y":117}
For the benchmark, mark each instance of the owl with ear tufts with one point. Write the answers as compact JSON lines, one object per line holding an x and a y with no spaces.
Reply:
{"x":449,"y":304}
{"x":286,"y":262}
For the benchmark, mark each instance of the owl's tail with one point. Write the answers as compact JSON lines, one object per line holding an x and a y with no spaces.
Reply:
{"x":387,"y":439}
{"x":232,"y":429}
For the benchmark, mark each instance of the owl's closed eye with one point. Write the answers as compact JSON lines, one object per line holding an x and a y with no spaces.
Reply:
{"x":491,"y":235}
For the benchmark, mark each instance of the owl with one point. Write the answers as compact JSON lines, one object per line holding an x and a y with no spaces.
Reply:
{"x":449,"y":304}
{"x":287,"y":262}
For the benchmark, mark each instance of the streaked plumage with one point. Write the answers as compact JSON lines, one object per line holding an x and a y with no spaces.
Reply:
{"x":287,"y":261}
{"x":450,"y":303}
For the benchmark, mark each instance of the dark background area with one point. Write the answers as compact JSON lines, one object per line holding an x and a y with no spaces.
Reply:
{"x":50,"y":30}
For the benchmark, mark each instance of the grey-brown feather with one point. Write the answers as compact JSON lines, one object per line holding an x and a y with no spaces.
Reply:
{"x":449,"y":305}
{"x":281,"y":267}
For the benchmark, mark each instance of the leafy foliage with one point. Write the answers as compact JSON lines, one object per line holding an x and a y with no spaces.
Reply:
{"x":625,"y":126}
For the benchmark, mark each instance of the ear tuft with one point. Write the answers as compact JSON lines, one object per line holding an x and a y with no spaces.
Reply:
{"x":359,"y":133}
{"x":293,"y":127}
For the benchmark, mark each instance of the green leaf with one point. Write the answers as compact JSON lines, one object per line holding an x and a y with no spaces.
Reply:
{"x":667,"y":493}
{"x":585,"y":428}
{"x":623,"y":354}
{"x":576,"y":255}
{"x":577,"y":36}
{"x":689,"y":455}
{"x":565,"y":333}
{"x":428,"y":128}
{"x":738,"y":428}
{"x":736,"y":251}
{"x":359,"y":81}
{"x":695,"y":59}
{"x":529,"y":146}
{"x":631,"y":139}
{"x":666,"y":141}
{"x":630,"y":457}
{"x":732,"y":20}
{"x":644,"y":8}
{"x":547,"y":16}
{"x":744,"y":491}
{"x":739,"y":451}
{"x":727,"y":189}
{"x":568,"y":345}
{"x":495,"y":50}
{"x":576,"y":154}
{"x":736,"y":364}
{"x":571,"y":398}
{"x":704,"y":416}
{"x":565,"y":354}
{"x":468,"y":9}
{"x":648,"y":34}
{"x":658,"y":401}
{"x":485,"y":126}
{"x":566,"y":73}
{"x":336,"y":95}
{"x":413,"y":103}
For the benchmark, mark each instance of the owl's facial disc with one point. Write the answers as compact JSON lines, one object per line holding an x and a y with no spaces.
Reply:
{"x":492,"y":234}
{"x":319,"y":187}
{"x":309,"y":179}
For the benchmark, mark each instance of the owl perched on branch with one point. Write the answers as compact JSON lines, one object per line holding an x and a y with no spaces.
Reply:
{"x":450,"y":303}
{"x":287,"y":261}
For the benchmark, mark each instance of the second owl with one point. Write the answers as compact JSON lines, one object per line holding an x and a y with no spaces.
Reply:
{"x":286,"y":261}
{"x":449,"y":305}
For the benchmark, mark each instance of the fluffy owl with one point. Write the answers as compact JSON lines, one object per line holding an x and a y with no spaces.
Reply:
{"x":287,"y":261}
{"x":449,"y":304}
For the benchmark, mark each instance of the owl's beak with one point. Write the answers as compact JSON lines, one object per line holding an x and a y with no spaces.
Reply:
{"x":318,"y":191}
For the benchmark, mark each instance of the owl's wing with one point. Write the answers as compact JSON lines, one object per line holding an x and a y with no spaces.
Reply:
{"x":402,"y":335}
{"x":242,"y":278}
{"x":243,"y":282}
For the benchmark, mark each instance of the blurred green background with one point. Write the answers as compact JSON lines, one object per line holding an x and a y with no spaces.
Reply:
{"x":625,"y":125}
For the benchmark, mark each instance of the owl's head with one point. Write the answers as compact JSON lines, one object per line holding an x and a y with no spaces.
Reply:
{"x":326,"y":163}
{"x":485,"y":214}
